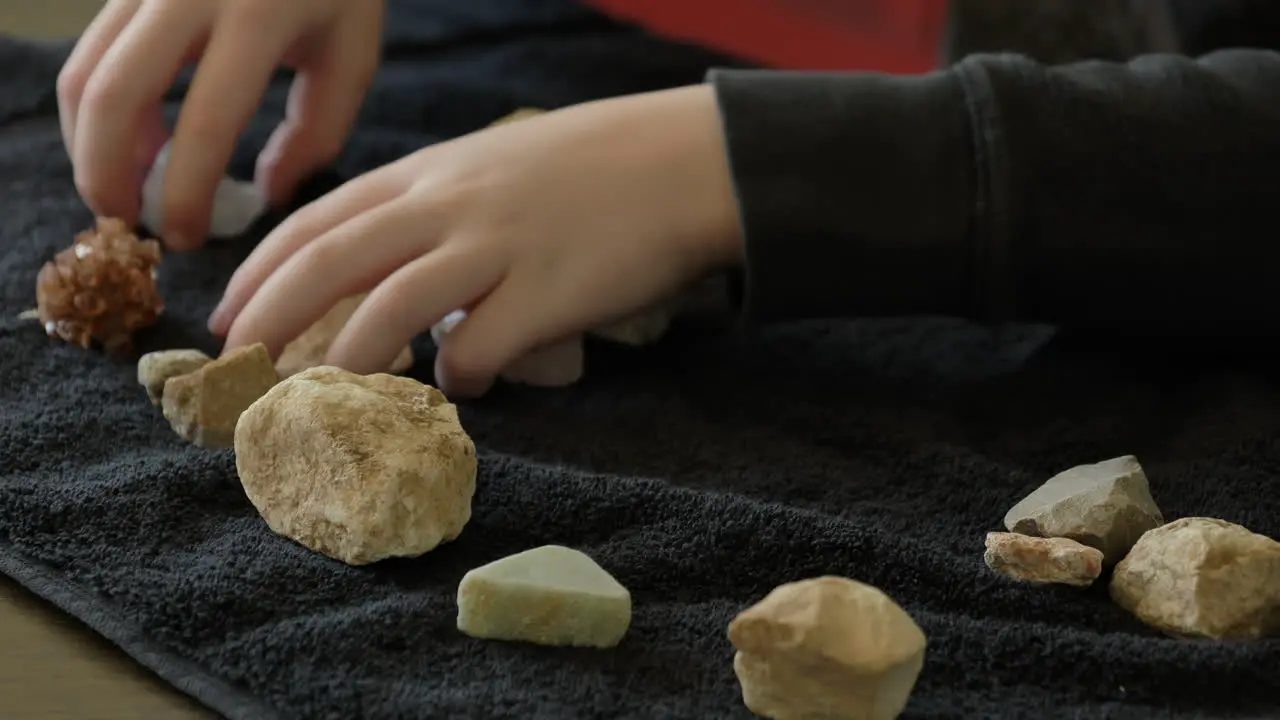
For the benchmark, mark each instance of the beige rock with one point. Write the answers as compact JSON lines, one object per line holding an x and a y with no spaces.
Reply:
{"x":1201,"y":577}
{"x":203,"y":406}
{"x":155,"y":369}
{"x":551,"y":595}
{"x":1106,"y":505}
{"x":644,"y":328}
{"x":308,"y":350}
{"x":357,"y":467}
{"x":555,"y":365}
{"x":518,"y":114}
{"x":829,"y":648}
{"x":1043,"y":560}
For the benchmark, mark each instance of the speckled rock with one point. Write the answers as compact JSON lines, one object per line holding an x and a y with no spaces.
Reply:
{"x":1043,"y":560}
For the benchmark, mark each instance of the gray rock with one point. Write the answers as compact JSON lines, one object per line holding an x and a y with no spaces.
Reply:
{"x":1106,"y":505}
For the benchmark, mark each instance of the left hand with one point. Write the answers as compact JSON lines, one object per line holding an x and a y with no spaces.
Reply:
{"x":540,"y":229}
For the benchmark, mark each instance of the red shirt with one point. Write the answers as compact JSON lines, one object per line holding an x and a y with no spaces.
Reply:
{"x":897,"y":36}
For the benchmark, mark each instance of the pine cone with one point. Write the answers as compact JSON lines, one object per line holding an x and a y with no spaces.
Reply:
{"x":101,"y":289}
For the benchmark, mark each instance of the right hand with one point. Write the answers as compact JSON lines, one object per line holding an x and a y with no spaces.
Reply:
{"x":111,"y":88}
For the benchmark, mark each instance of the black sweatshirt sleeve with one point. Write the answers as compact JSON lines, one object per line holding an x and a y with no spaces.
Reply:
{"x":1139,"y":196}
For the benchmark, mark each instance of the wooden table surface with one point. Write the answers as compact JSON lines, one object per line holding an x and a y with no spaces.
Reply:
{"x":51,"y":666}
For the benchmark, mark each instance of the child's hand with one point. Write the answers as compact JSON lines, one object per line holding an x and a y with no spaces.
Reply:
{"x":540,"y":229}
{"x":110,"y":92}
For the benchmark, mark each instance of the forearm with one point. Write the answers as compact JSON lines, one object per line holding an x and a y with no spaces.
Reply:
{"x":1099,"y":195}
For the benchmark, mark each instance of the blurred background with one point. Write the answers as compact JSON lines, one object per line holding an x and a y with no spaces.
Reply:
{"x":46,"y":18}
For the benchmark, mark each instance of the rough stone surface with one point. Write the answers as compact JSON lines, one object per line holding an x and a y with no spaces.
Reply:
{"x":204,"y":406}
{"x":1106,"y":505}
{"x":1043,"y":560}
{"x":1201,"y":577}
{"x":308,"y":350}
{"x":155,"y":369}
{"x":827,"y":647}
{"x":357,"y":467}
{"x":551,"y":595}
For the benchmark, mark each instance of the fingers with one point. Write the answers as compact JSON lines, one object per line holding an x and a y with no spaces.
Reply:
{"x":409,"y":302}
{"x":324,"y":101}
{"x":86,"y":56}
{"x":351,"y":258}
{"x":495,"y":334}
{"x":304,"y":226}
{"x":243,"y":53}
{"x":125,"y":89}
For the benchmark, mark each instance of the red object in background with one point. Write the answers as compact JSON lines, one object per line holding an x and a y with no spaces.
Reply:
{"x":894,"y":36}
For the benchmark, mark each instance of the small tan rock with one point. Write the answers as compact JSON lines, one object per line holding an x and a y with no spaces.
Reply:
{"x":557,"y":365}
{"x":643,"y":328}
{"x":829,"y":648}
{"x":550,"y":595}
{"x":357,"y":467}
{"x":155,"y":369}
{"x":1201,"y":577}
{"x":1106,"y":505}
{"x":1043,"y":560}
{"x":308,"y":350}
{"x":203,"y":406}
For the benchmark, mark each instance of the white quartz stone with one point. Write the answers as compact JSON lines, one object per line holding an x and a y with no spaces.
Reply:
{"x":550,"y":595}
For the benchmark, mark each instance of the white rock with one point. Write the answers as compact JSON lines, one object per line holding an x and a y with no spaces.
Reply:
{"x":237,"y":204}
{"x":555,"y":365}
{"x":550,"y":595}
{"x":357,"y":467}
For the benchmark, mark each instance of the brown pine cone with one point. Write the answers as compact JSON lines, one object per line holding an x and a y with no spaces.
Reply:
{"x":102,"y":289}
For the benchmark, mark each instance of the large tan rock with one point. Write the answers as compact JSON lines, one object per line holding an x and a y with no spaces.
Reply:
{"x":308,"y":350}
{"x":1201,"y":577}
{"x":203,"y":406}
{"x":550,"y":595}
{"x":1106,"y":505}
{"x":828,"y":648}
{"x":1043,"y":560}
{"x":155,"y":369}
{"x":357,"y":467}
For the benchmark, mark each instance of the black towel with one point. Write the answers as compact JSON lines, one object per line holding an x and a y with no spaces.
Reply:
{"x":701,"y":472}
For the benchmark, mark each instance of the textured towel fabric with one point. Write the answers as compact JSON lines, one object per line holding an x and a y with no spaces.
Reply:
{"x":701,"y":472}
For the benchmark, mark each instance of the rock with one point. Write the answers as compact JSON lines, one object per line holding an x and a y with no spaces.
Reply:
{"x":829,"y":648}
{"x":555,"y":365}
{"x":237,"y":204}
{"x":1107,"y":505}
{"x":1201,"y":577}
{"x":155,"y":369}
{"x":550,"y":595}
{"x":357,"y":467}
{"x":204,"y":406}
{"x":1043,"y":560}
{"x":308,"y":350}
{"x":643,"y":328}
{"x":558,"y":365}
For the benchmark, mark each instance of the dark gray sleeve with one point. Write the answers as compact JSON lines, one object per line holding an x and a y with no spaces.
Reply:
{"x":1137,"y":196}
